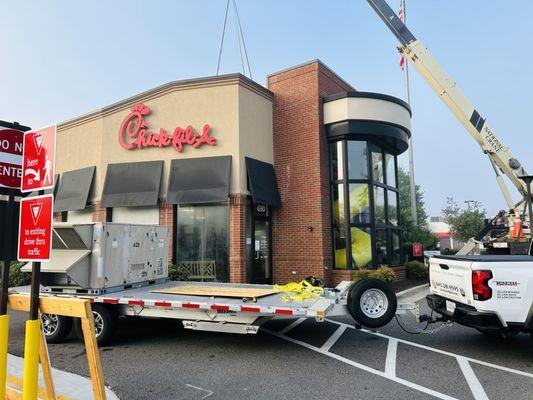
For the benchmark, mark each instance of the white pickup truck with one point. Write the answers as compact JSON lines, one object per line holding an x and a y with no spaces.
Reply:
{"x":493,"y":294}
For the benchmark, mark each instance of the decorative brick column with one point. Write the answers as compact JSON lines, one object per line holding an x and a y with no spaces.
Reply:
{"x":99,"y":213}
{"x":302,"y":233}
{"x":166,"y":219}
{"x":238,"y":206}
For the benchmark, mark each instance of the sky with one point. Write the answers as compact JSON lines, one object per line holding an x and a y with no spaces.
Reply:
{"x":62,"y":59}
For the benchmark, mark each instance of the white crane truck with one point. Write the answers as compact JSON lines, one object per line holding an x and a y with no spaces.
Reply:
{"x":491,"y":293}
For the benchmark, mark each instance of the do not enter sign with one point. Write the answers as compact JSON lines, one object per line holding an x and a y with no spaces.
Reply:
{"x":10,"y":157}
{"x":35,"y":228}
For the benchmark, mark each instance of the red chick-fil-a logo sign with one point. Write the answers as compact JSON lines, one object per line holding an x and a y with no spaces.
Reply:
{"x":135,"y":134}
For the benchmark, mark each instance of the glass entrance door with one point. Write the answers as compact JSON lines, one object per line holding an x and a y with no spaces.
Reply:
{"x":262,"y":260}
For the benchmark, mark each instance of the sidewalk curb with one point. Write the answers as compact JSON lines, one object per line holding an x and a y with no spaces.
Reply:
{"x":405,"y":292}
{"x":67,"y":384}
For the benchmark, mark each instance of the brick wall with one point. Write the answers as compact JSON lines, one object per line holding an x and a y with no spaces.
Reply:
{"x":301,"y":226}
{"x":99,"y":213}
{"x":166,"y":219}
{"x":238,"y":207}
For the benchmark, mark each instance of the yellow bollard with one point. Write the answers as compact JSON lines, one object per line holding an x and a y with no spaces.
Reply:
{"x":30,"y":379}
{"x":4,"y":332}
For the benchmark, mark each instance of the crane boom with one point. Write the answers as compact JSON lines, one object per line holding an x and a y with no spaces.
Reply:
{"x":457,"y":102}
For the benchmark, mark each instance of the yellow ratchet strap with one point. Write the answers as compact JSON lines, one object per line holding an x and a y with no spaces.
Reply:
{"x":299,"y":291}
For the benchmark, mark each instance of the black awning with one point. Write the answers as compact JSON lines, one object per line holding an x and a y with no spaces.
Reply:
{"x":132,"y":184}
{"x":73,"y":190}
{"x":199,"y":180}
{"x":263,"y":183}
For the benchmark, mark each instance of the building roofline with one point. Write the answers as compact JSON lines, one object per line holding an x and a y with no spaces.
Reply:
{"x":217,"y":80}
{"x":317,"y":61}
{"x":369,"y":95}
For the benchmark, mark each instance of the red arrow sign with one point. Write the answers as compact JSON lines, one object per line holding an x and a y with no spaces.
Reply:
{"x":10,"y":157}
{"x":35,"y":228}
{"x":38,"y":159}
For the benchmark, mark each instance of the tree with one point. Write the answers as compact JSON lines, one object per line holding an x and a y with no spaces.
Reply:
{"x":414,"y":233}
{"x":404,"y":185}
{"x":464,"y":222}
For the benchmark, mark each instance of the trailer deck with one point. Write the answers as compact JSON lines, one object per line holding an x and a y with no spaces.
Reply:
{"x":228,"y":314}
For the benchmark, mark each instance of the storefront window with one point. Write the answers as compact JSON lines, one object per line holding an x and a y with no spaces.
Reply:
{"x":379,"y":205}
{"x":371,"y":205}
{"x":377,"y":164}
{"x":359,"y":203}
{"x":381,"y":247}
{"x":396,"y":250}
{"x":203,"y":240}
{"x":361,"y":246}
{"x":357,"y":159}
{"x":392,"y":199}
{"x":337,"y":161}
{"x":390,"y":167}
{"x":339,"y":226}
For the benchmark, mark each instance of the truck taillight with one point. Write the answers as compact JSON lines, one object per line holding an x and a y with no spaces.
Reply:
{"x":480,"y":285}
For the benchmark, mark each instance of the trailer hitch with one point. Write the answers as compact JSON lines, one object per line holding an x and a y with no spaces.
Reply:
{"x":431,"y":319}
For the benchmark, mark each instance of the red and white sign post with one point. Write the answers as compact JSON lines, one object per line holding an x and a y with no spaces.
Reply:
{"x":35,"y":228}
{"x":35,"y":235}
{"x":38,"y":158}
{"x":417,"y":250}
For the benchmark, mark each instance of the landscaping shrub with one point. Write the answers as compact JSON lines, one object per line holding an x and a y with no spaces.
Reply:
{"x":17,"y":277}
{"x":384,"y":273}
{"x":417,"y":270}
{"x":176,"y":273}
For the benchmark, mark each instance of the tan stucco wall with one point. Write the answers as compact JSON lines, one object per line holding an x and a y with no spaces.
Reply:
{"x":240,"y":117}
{"x":255,"y":130}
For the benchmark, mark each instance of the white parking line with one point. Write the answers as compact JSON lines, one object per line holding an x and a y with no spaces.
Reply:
{"x":390,"y":361}
{"x":333,"y":338}
{"x":209,"y":392}
{"x":477,"y":390}
{"x":421,"y":346}
{"x":363,"y":367}
{"x":292,"y":325}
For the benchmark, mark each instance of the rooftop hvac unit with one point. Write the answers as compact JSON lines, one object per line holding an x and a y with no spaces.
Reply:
{"x":103,"y":257}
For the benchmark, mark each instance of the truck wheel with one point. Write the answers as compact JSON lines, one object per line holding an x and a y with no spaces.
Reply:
{"x":56,"y":328}
{"x":372,"y":303}
{"x":104,"y":324}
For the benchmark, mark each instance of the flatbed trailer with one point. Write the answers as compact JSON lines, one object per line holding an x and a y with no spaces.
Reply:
{"x":371,"y":302}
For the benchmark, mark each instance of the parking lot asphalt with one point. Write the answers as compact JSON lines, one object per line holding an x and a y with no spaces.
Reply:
{"x":156,"y":359}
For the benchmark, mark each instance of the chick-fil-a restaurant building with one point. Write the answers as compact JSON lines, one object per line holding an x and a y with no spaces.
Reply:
{"x":256,"y":183}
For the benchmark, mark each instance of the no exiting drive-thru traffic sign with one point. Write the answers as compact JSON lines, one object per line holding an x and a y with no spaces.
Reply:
{"x":38,"y":158}
{"x":35,"y":228}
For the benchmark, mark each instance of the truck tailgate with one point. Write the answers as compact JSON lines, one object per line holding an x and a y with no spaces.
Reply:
{"x":451,"y":278}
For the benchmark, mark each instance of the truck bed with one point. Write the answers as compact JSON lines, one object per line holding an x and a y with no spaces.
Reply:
{"x":487,"y":258}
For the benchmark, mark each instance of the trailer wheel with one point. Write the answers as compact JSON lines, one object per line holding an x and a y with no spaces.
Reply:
{"x":372,"y":303}
{"x":56,"y":328}
{"x":105,"y":320}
